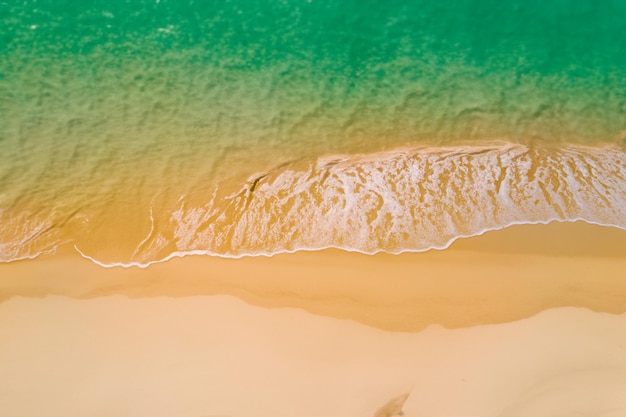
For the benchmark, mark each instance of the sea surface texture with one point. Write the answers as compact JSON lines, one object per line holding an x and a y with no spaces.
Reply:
{"x":138,"y":130}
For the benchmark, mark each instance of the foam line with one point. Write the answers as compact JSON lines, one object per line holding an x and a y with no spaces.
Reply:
{"x":407,"y":200}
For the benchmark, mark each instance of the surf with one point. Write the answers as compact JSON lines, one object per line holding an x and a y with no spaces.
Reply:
{"x":404,"y":200}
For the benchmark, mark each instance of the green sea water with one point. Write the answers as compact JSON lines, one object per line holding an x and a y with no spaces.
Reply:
{"x":178,"y":118}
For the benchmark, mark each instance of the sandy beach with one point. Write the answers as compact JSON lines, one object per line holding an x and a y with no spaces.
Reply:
{"x":312,"y":208}
{"x":216,"y":356}
{"x":512,"y":323}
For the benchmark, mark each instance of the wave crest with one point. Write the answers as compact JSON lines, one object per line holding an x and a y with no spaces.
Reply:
{"x":406,"y":200}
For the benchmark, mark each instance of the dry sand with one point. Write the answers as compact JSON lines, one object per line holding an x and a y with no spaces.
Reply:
{"x":191,"y":337}
{"x":217,"y":356}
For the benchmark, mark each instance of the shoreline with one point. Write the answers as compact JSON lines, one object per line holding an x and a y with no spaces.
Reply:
{"x":508,"y":246}
{"x":496,"y":277}
{"x":394,"y":201}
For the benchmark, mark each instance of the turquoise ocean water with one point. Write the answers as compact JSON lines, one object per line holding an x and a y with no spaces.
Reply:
{"x":134,"y":130}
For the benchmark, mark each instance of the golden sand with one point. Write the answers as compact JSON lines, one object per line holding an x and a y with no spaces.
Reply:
{"x":74,"y":343}
{"x":497,"y":277}
{"x":216,"y":356}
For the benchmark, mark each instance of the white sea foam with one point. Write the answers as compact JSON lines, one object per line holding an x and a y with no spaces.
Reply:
{"x":405,"y":200}
{"x":25,"y":237}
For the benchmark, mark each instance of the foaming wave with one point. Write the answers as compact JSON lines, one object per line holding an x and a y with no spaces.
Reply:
{"x":26,"y":237}
{"x":405,"y":200}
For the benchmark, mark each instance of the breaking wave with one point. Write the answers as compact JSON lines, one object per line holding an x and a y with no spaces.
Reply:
{"x":404,"y":200}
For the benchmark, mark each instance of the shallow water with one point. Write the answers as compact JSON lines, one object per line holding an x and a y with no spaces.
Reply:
{"x":136,"y":129}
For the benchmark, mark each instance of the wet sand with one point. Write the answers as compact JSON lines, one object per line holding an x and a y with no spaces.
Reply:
{"x":494,"y":278}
